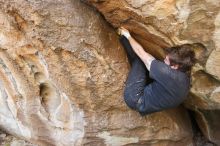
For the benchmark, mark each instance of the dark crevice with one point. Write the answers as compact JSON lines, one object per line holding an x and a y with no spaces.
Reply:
{"x":198,"y":138}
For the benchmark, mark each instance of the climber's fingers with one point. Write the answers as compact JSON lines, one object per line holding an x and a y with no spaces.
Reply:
{"x":123,"y":31}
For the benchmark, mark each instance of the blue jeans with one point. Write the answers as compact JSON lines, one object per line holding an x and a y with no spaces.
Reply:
{"x":138,"y":76}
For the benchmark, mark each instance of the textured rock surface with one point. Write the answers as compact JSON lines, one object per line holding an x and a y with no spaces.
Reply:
{"x":62,"y":73}
{"x":9,"y":140}
{"x":161,"y":23}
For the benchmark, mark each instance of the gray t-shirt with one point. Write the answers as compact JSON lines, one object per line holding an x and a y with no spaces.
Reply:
{"x":169,"y":89}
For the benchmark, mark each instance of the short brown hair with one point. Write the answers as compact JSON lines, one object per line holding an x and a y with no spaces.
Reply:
{"x":182,"y":55}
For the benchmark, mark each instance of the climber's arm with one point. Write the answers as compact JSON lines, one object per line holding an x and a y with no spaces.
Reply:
{"x":138,"y":49}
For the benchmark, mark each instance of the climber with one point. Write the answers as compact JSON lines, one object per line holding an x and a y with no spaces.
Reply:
{"x":153,"y":85}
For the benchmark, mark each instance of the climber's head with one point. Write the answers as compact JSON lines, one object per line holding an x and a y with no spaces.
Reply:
{"x":180,"y":57}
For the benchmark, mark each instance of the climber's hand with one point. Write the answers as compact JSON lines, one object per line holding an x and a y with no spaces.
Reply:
{"x":123,"y":31}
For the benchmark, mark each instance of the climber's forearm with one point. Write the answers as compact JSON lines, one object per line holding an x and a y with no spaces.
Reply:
{"x":138,"y":49}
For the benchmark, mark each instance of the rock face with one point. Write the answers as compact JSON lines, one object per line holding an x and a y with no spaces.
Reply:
{"x":9,"y":140}
{"x":62,"y":73}
{"x":161,"y":23}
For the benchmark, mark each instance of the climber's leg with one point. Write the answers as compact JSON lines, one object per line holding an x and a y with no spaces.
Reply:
{"x":138,"y":76}
{"x":127,"y":46}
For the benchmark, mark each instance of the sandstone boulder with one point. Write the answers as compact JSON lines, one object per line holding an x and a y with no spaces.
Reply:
{"x":162,"y":23}
{"x":62,"y":74}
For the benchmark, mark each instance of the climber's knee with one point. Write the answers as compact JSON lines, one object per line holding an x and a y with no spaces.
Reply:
{"x":130,"y":99}
{"x":145,"y":108}
{"x":140,"y":107}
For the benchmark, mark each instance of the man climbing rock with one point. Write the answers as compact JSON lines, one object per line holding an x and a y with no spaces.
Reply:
{"x":153,"y":85}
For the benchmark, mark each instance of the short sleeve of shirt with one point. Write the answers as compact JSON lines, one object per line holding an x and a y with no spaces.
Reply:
{"x":159,"y":71}
{"x":149,"y":62}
